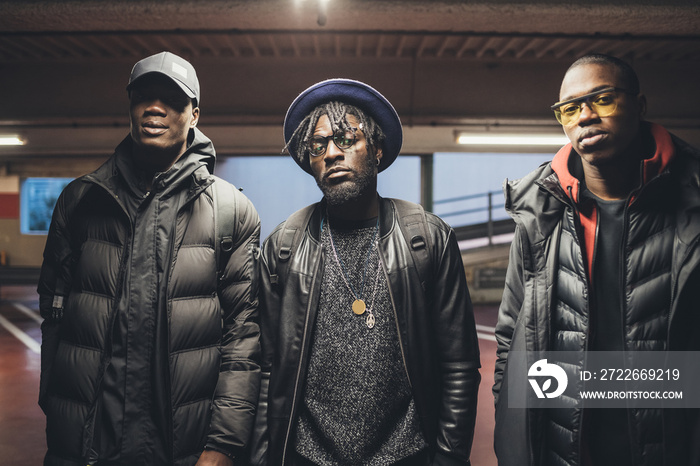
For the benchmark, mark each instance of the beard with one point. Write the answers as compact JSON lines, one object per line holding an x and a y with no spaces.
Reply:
{"x":339,"y":193}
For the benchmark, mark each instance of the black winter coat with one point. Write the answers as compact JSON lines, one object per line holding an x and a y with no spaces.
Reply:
{"x":212,"y":333}
{"x":436,"y":329}
{"x":547,"y":276}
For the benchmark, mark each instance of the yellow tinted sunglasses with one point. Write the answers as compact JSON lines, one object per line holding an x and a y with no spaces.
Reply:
{"x":603,"y":102}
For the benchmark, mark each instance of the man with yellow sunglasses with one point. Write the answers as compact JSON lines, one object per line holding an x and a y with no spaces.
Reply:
{"x":606,"y":258}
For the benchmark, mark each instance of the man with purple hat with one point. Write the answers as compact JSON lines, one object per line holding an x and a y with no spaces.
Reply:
{"x":370,"y":353}
{"x":150,"y":341}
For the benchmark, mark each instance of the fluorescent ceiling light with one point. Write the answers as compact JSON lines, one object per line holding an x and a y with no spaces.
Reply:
{"x":11,"y":140}
{"x":495,"y":139}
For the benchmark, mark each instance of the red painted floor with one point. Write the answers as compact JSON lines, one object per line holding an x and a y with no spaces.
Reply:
{"x":482,"y":450}
{"x":22,"y":423}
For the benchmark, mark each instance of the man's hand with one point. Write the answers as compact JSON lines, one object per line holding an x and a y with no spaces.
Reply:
{"x":214,"y":458}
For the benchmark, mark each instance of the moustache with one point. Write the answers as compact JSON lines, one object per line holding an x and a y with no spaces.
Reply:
{"x":337,"y":169}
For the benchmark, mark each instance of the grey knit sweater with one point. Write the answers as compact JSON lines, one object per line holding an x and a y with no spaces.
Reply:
{"x":357,"y":407}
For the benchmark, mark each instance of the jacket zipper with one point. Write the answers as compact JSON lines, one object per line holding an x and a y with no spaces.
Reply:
{"x":537,"y":348}
{"x":396,"y":321}
{"x":623,"y":292}
{"x":587,"y":333}
{"x":301,"y":358}
{"x":588,"y":283}
{"x":168,"y":384}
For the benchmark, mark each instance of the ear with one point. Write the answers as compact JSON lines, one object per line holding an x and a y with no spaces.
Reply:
{"x":195,"y":117}
{"x":642,"y":104}
{"x":379,"y":155}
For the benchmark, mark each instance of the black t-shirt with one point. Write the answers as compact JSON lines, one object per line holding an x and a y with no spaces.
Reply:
{"x":607,"y":430}
{"x":608,"y":288}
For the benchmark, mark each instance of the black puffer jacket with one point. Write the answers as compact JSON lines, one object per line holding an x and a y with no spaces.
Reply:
{"x":547,"y":277}
{"x":212,"y":348}
{"x":436,"y":328}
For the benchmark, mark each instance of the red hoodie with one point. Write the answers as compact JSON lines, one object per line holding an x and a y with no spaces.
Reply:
{"x":587,"y":210}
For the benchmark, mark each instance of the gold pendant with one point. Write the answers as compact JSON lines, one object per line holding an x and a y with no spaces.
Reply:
{"x":358,"y":307}
{"x":370,"y":321}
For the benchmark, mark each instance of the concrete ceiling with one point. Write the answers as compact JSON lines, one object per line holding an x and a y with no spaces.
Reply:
{"x":445,"y":65}
{"x":614,"y":17}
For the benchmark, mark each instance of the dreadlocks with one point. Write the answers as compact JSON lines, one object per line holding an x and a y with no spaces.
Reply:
{"x":337,"y":114}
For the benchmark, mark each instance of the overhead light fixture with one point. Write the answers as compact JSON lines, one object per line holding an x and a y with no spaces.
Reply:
{"x":322,"y":12}
{"x":11,"y":140}
{"x":509,"y":139}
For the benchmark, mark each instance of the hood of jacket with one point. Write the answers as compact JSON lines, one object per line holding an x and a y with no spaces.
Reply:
{"x":197,"y":164}
{"x":536,"y":200}
{"x":563,"y":162}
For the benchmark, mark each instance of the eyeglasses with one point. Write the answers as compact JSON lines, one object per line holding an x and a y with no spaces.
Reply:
{"x":602,"y":102}
{"x":317,"y":145}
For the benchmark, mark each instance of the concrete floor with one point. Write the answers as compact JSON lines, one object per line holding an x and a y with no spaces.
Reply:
{"x":22,"y":440}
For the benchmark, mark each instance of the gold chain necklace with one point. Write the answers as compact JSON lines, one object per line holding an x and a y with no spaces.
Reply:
{"x":358,"y":305}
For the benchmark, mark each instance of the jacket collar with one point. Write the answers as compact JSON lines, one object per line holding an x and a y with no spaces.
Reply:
{"x":536,"y":200}
{"x":386,"y":218}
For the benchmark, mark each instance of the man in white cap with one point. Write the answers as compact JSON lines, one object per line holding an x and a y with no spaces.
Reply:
{"x":150,"y":336}
{"x":368,"y":335}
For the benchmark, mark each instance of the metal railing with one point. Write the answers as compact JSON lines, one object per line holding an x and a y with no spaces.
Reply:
{"x":489,"y":207}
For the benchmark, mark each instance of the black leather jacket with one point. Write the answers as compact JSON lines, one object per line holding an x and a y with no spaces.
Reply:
{"x":437,"y":336}
{"x":547,"y":276}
